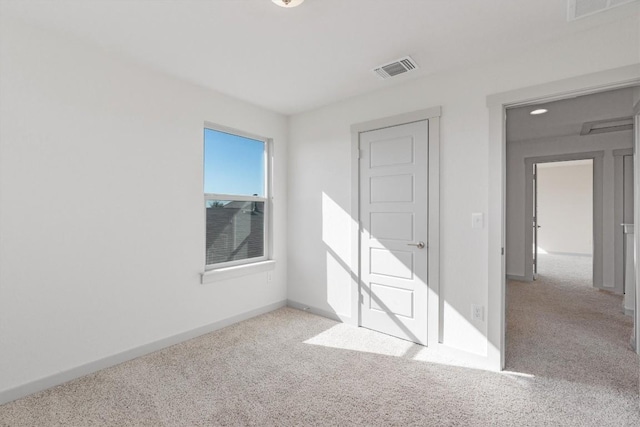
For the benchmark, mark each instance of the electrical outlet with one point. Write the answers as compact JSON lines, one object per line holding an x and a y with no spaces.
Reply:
{"x":477,"y":312}
{"x":269,"y":276}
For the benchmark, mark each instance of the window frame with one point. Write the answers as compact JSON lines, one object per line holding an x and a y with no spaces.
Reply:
{"x":266,"y":199}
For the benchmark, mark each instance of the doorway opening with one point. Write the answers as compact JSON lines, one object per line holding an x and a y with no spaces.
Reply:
{"x":568,"y":263}
{"x":563,"y":221}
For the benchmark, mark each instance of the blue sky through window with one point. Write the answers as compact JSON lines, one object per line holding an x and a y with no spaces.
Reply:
{"x":233,"y":164}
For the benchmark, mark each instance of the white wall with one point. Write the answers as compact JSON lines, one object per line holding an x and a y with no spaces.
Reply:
{"x":565,"y":207}
{"x":516,"y":229}
{"x":319,"y":172}
{"x":101,"y":205}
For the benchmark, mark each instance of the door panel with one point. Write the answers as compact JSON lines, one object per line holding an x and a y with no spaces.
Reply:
{"x":391,"y":188}
{"x":393,"y":217}
{"x":391,"y":152}
{"x":398,"y":264}
{"x":394,"y":300}
{"x":392,"y":225}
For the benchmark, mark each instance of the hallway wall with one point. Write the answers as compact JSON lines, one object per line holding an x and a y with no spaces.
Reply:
{"x":565,"y":207}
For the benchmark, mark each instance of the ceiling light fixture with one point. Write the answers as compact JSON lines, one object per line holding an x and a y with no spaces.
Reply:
{"x":538,"y":111}
{"x":288,"y":3}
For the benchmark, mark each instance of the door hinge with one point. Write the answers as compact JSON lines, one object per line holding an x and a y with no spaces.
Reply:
{"x":359,"y":153}
{"x":502,"y":251}
{"x":361,"y":299}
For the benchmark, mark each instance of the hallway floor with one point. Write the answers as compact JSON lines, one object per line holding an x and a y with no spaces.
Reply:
{"x":566,"y":269}
{"x":561,"y":328}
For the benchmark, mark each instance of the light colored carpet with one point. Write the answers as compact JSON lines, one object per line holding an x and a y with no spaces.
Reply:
{"x":569,"y":334}
{"x":566,"y":270}
{"x":293,"y":368}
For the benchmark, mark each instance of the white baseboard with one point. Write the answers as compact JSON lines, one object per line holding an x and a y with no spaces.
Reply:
{"x":462,"y":358}
{"x":318,"y":311}
{"x":91,"y":367}
{"x":517,"y":278}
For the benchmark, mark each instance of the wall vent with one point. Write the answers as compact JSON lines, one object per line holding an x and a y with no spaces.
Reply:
{"x":397,"y":67}
{"x":580,"y":8}
{"x":609,"y":125}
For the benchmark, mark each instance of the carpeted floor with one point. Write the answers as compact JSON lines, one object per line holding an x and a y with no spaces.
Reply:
{"x":574,"y":271}
{"x":566,"y":346}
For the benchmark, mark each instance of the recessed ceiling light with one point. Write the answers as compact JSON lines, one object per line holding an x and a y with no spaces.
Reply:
{"x":288,"y":3}
{"x":538,"y":111}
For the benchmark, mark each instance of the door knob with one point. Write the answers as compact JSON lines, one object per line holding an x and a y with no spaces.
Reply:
{"x":419,"y":245}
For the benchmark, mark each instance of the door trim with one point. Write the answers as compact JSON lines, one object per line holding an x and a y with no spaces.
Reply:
{"x":597,"y":226}
{"x":432,"y":115}
{"x":636,"y":218}
{"x":616,"y":78}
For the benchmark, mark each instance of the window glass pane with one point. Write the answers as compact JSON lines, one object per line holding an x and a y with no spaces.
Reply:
{"x":233,"y":164}
{"x":235,"y":230}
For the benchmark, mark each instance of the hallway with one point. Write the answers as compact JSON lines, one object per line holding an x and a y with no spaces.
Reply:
{"x":561,"y":328}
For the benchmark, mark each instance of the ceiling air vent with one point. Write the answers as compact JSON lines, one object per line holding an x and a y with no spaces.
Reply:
{"x":609,"y":125}
{"x":399,"y":66}
{"x":581,"y":8}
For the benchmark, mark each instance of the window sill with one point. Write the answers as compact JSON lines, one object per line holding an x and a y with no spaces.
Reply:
{"x":236,"y":271}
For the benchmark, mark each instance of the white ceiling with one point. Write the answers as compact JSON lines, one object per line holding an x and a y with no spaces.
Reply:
{"x":292,"y":60}
{"x":567,"y":116}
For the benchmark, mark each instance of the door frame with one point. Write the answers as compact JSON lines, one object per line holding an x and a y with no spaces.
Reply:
{"x":636,"y":219}
{"x":432,"y":116}
{"x":497,"y":104}
{"x":598,"y":204}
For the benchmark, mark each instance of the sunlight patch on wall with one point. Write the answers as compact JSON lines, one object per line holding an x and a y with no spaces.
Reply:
{"x":336,"y":229}
{"x":336,"y":234}
{"x":338,"y":286}
{"x":467,"y":337}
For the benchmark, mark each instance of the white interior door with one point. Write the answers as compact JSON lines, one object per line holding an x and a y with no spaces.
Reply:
{"x":393,"y":235}
{"x":536,"y":226}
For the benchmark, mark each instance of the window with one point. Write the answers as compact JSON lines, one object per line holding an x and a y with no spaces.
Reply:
{"x":236,"y":198}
